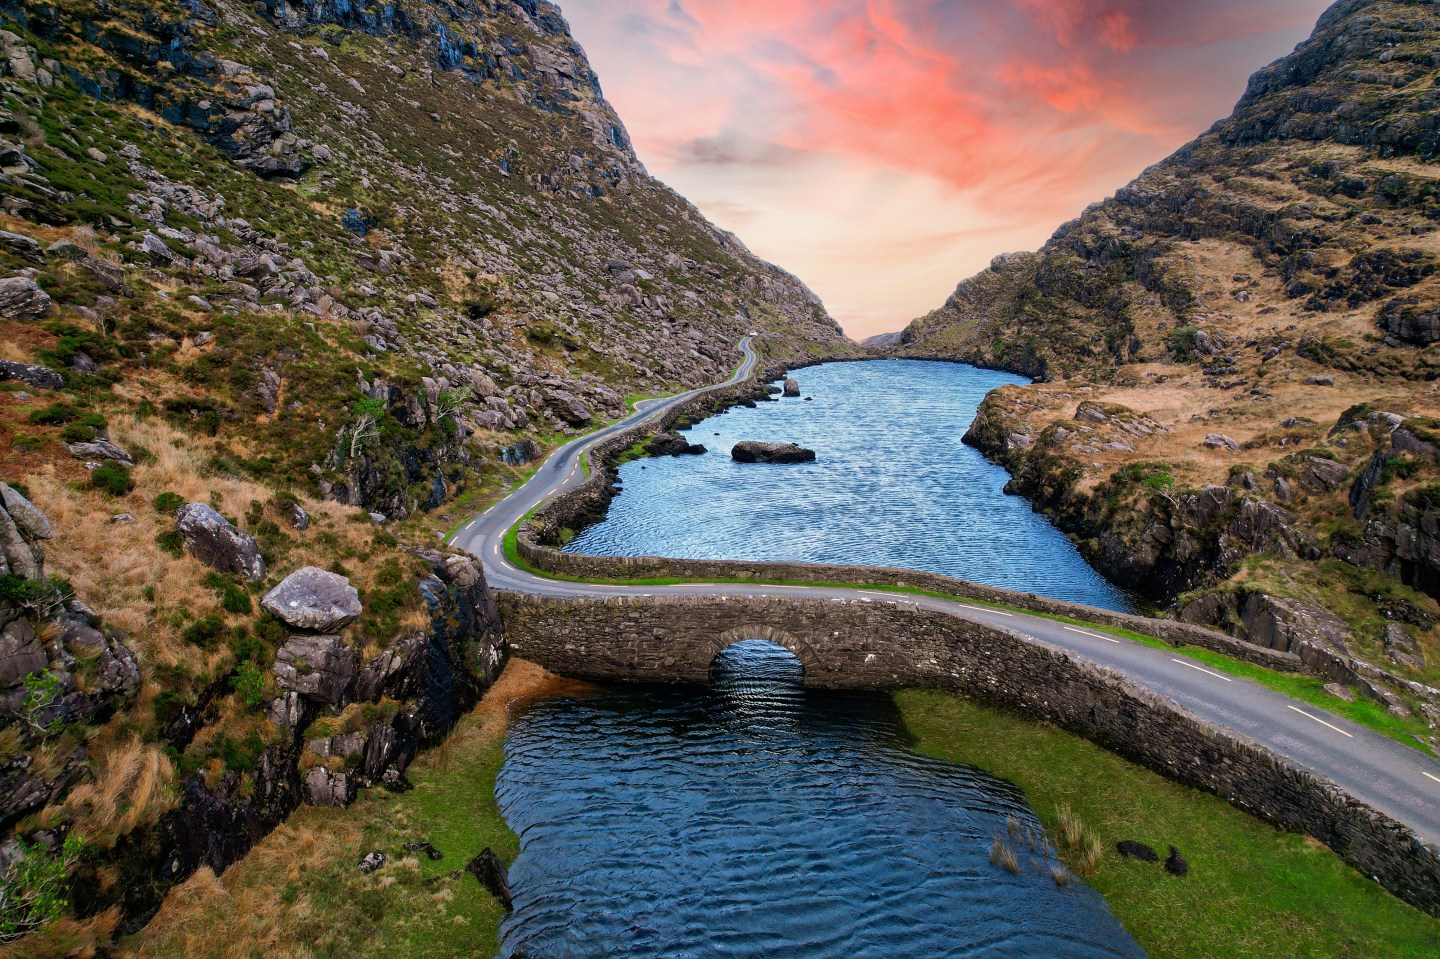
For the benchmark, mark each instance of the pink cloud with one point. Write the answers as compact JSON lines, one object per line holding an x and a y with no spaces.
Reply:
{"x":1019,"y":112}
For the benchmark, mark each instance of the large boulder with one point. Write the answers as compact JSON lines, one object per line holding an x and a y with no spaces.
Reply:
{"x":313,"y":600}
{"x":22,"y":299}
{"x":320,"y":668}
{"x":752,"y":451}
{"x":673,"y":444}
{"x":98,"y":450}
{"x":792,"y":387}
{"x":212,"y":540}
{"x":22,"y":526}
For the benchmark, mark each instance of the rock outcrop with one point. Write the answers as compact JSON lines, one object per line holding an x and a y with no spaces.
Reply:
{"x":22,"y":528}
{"x":753,"y":451}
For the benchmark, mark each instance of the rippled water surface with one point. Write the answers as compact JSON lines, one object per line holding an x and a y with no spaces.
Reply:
{"x":893,"y":485}
{"x":754,"y":819}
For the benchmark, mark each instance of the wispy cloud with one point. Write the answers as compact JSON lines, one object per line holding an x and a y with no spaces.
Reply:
{"x":884,"y":149}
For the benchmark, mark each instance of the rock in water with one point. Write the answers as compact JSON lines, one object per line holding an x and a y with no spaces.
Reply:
{"x":1130,"y":849}
{"x":1175,"y":863}
{"x":792,"y":387}
{"x":673,"y":444}
{"x":213,"y":541}
{"x":314,"y":600}
{"x":493,"y":875}
{"x":751,"y":451}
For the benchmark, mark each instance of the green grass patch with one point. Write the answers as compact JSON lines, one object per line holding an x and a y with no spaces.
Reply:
{"x":1253,"y":891}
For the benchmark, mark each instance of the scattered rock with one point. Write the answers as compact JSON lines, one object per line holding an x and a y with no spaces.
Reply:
{"x":1320,"y":381}
{"x":1340,"y":692}
{"x":22,"y":299}
{"x":212,"y":540}
{"x":297,"y":517}
{"x":493,"y":875}
{"x":424,"y":848}
{"x":21,"y":245}
{"x":1217,"y":441}
{"x":313,"y":600}
{"x":1175,"y":863}
{"x":99,"y":449}
{"x":372,"y":862}
{"x":40,"y":377}
{"x":752,"y":451}
{"x":1130,"y":849}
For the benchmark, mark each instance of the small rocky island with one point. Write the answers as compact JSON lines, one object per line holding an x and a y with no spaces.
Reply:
{"x":753,"y":451}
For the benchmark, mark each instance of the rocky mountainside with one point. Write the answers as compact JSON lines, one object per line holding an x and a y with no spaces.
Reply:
{"x":1238,"y":358}
{"x":285,"y":290}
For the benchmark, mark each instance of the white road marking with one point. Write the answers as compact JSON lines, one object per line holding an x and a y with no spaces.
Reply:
{"x":1428,"y":776}
{"x":1319,"y":720}
{"x":1202,"y":669}
{"x":1086,"y":632}
{"x":984,"y":609}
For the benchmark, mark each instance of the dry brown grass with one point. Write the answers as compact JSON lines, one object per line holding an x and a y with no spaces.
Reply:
{"x":133,"y":787}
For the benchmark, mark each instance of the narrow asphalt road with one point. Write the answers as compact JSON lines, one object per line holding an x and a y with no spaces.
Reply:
{"x":1399,"y":781}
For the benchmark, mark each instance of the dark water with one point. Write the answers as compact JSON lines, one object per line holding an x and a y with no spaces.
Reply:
{"x":893,"y":486}
{"x":754,"y":819}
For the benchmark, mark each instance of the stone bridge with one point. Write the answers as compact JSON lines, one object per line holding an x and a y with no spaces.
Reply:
{"x":889,"y":645}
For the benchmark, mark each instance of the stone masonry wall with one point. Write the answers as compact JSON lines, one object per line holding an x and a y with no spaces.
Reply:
{"x":895,"y":645}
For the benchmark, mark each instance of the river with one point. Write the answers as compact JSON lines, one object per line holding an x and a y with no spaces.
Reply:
{"x":754,"y":818}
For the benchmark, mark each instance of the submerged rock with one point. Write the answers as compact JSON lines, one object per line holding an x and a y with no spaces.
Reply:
{"x":752,"y":451}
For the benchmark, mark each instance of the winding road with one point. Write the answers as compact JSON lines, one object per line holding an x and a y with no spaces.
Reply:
{"x":1397,"y":780}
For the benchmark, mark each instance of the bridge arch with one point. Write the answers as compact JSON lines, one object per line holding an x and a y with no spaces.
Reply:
{"x":803,"y":651}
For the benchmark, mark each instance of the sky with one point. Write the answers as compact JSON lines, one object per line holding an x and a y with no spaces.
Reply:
{"x":884,"y":150}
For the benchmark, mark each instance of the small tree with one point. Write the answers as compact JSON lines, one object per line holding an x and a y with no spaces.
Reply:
{"x":448,"y":404}
{"x":42,"y":690}
{"x":35,"y":890}
{"x":367,"y":423}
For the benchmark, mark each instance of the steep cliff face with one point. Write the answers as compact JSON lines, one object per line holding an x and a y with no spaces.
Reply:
{"x":1233,"y":342}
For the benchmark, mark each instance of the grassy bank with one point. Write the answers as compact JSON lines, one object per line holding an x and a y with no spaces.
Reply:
{"x":1252,"y":890}
{"x":299,"y":895}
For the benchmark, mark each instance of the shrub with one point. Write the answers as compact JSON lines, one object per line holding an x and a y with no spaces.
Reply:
{"x":167,"y":502}
{"x":204,"y":632}
{"x":239,"y":755}
{"x":112,"y":478}
{"x":249,"y":683}
{"x":171,"y":542}
{"x":33,"y":891}
{"x":56,"y":414}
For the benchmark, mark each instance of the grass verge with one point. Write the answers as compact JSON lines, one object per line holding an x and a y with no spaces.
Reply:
{"x":1252,"y":891}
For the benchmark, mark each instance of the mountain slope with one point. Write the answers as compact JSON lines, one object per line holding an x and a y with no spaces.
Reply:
{"x":287,"y":285}
{"x":1238,"y":357}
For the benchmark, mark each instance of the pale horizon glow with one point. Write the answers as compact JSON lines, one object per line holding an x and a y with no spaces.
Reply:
{"x":884,"y":150}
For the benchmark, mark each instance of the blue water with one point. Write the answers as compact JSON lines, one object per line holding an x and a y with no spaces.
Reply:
{"x":755,"y":819}
{"x":893,"y":485}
